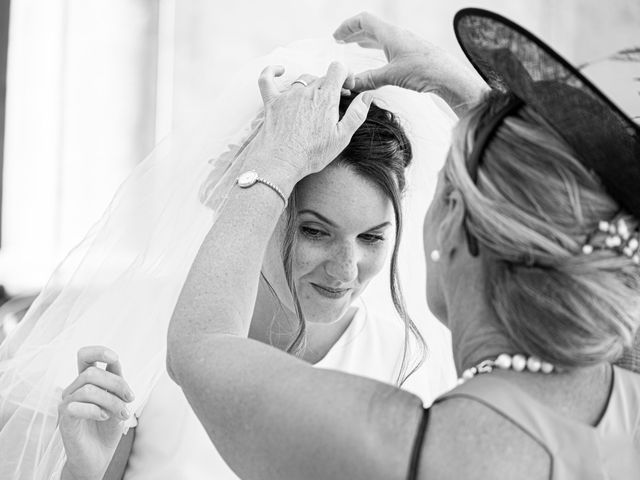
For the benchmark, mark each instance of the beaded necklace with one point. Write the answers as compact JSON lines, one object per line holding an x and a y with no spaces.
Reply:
{"x":504,"y":361}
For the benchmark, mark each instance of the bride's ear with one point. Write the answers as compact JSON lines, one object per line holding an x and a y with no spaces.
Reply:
{"x":451,"y":231}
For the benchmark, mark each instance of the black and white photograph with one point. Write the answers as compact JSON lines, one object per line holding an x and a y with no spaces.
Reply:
{"x":319,"y":240}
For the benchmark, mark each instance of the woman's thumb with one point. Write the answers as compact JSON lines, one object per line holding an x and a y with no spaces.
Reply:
{"x":355,"y":115}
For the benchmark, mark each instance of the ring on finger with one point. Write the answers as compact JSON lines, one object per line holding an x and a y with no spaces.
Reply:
{"x":301,"y":82}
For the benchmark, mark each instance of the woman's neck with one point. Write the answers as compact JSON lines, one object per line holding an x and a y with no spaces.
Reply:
{"x":275,"y":325}
{"x":271,"y":322}
{"x":471,"y":319}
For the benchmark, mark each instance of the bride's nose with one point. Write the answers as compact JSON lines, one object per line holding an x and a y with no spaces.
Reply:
{"x":342,"y":264}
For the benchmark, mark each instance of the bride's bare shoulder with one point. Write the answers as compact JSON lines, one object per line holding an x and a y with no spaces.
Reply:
{"x":465,"y":439}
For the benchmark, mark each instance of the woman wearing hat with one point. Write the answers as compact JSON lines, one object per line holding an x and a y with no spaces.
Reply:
{"x":532,"y":240}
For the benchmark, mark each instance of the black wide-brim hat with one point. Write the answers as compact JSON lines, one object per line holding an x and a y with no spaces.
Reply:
{"x":604,"y":138}
{"x":511,"y":59}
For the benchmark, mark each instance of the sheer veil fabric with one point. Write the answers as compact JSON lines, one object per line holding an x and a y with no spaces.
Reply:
{"x":119,"y":286}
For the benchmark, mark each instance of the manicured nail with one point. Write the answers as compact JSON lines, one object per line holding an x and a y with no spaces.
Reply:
{"x":341,"y":42}
{"x":128,"y":395}
{"x":124,"y":413}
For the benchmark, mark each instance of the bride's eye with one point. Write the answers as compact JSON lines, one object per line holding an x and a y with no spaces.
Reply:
{"x":371,"y":238}
{"x":312,"y":233}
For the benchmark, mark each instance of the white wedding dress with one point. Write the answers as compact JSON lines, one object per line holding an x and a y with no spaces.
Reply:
{"x":119,"y":286}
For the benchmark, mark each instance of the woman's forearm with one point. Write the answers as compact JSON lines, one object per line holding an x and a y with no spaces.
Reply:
{"x":223,"y":280}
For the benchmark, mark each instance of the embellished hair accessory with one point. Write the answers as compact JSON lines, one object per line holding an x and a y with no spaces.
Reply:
{"x":616,"y":236}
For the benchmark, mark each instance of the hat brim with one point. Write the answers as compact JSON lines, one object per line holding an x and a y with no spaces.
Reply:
{"x":510,"y":58}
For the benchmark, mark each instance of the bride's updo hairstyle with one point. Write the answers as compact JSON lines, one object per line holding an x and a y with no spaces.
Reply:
{"x":379,"y":152}
{"x":532,"y":210}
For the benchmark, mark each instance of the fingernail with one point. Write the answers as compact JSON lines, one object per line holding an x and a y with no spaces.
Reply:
{"x":367,"y":98}
{"x":128,"y":395}
{"x":104,"y":415}
{"x":341,"y":42}
{"x":124,"y":413}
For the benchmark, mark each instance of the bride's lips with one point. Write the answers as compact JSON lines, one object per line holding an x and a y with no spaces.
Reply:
{"x":330,"y":292}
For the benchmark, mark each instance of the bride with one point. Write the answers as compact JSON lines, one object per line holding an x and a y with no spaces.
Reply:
{"x":119,"y":287}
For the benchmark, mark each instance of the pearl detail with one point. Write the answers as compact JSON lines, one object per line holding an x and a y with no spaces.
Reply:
{"x":546,"y":367}
{"x":435,"y":255}
{"x":534,"y":364}
{"x":619,"y":237}
{"x":518,"y":363}
{"x":587,"y":249}
{"x":504,"y":361}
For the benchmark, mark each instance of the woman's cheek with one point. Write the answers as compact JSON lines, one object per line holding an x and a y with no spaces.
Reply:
{"x":308,"y":254}
{"x":374,"y":260}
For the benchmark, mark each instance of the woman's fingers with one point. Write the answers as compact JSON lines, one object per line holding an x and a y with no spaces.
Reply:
{"x":103,"y":379}
{"x":335,"y":78}
{"x":304,"y":80}
{"x":88,"y":356}
{"x":76,"y":403}
{"x":352,"y":30}
{"x":267,"y":82}
{"x":355,"y":115}
{"x":371,"y":79}
{"x":307,"y":80}
{"x":350,"y":82}
{"x":365,"y":29}
{"x":84,"y":411}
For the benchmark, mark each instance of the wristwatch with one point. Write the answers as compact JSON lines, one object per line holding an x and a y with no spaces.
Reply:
{"x":249,"y":178}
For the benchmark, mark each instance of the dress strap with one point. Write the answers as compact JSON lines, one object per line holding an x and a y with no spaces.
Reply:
{"x":417,"y":446}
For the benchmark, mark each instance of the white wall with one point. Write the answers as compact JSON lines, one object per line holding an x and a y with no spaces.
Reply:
{"x":214,"y":37}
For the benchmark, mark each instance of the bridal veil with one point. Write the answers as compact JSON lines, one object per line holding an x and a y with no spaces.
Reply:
{"x":119,"y":286}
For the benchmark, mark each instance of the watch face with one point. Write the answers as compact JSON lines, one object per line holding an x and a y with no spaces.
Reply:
{"x":247,"y":179}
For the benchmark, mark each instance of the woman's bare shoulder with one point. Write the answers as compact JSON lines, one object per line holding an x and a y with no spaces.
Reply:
{"x":383,"y":435}
{"x":466,"y":439}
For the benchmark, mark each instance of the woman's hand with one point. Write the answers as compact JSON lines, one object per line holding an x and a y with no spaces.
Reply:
{"x":302,"y":133}
{"x":414,"y":63}
{"x":91,"y":413}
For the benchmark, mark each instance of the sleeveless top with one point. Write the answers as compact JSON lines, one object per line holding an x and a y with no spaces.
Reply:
{"x":609,"y":450}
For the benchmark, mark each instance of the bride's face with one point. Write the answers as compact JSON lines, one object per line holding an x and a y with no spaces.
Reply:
{"x":344,"y":232}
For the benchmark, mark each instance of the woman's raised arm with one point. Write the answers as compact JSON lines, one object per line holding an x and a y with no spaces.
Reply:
{"x":256,"y":402}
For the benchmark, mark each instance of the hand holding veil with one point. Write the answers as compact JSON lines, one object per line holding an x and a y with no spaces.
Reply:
{"x":119,"y":286}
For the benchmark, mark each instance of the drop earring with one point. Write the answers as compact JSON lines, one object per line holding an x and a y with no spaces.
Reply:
{"x":435,"y":255}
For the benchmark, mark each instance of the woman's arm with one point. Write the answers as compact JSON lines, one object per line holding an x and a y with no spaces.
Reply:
{"x":272,"y":416}
{"x":256,"y":403}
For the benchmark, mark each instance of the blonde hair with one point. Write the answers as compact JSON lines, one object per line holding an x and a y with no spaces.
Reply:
{"x":532,"y":209}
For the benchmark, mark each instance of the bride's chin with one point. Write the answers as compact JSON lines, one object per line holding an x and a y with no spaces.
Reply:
{"x":320,"y":316}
